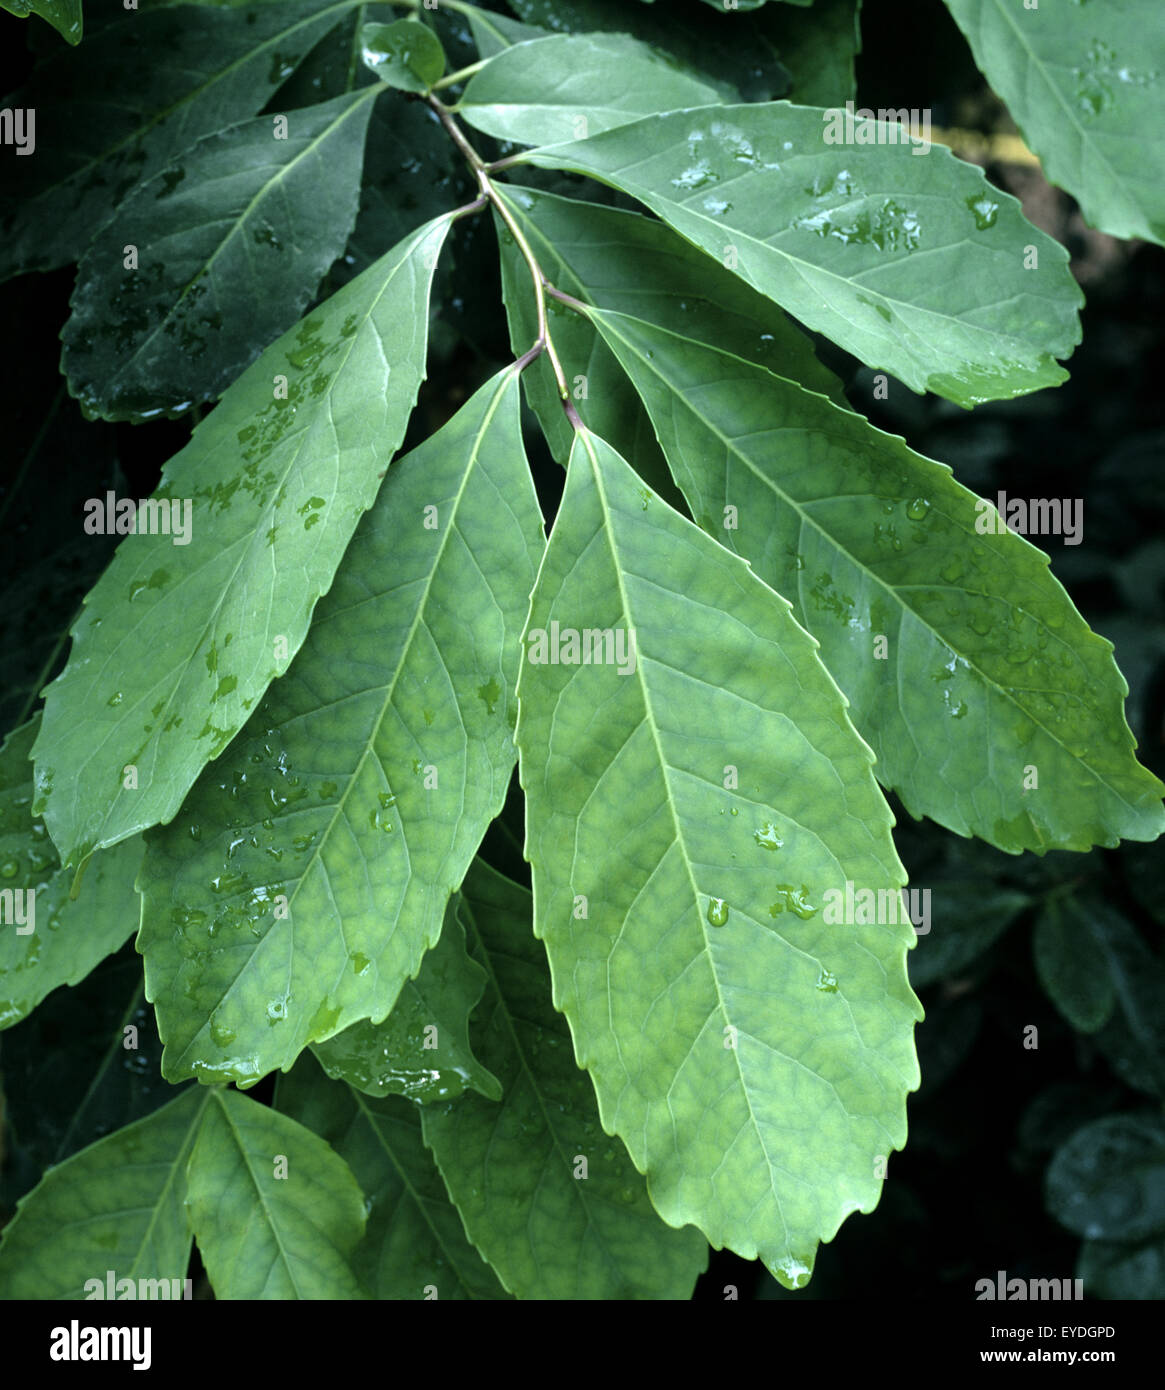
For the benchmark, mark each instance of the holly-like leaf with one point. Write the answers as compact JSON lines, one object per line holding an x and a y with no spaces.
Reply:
{"x":406,"y":54}
{"x":64,"y":15}
{"x":231,"y":244}
{"x":276,"y":1212}
{"x":1084,"y":94}
{"x":569,"y":86}
{"x":956,"y":646}
{"x":311,"y":866}
{"x":421,"y":1050}
{"x":141,"y":90}
{"x":266,"y":495}
{"x":415,"y":1243}
{"x":552,"y":1203}
{"x":696,"y":810}
{"x":117,"y":1205}
{"x":48,"y":939}
{"x":861,"y":242}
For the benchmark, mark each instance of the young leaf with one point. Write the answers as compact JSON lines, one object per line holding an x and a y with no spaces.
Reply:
{"x":310,"y":868}
{"x":212,"y":622}
{"x":690,"y":813}
{"x":634,"y":264}
{"x":232,"y":243}
{"x":421,"y":1050}
{"x":407,"y":54}
{"x":554,"y":1205}
{"x":988,"y":670}
{"x":1085,"y":95}
{"x":275,"y":1211}
{"x":569,"y":86}
{"x":140,"y":91}
{"x":415,"y":1241}
{"x":48,"y":939}
{"x":116,"y":1205}
{"x":64,"y":15}
{"x":861,"y":242}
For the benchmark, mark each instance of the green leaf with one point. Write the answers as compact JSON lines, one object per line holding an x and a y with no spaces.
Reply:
{"x":141,"y":90}
{"x":631,"y":263}
{"x":212,"y":622}
{"x":64,"y":15}
{"x":568,"y":86}
{"x":421,"y":1050}
{"x":366,"y":779}
{"x":116,"y":1205}
{"x":46,"y":938}
{"x":860,"y":242}
{"x":407,"y":54}
{"x":686,"y":820}
{"x":85,"y":1063}
{"x":1072,"y":966}
{"x":818,"y":48}
{"x":984,"y":669}
{"x":275,"y":1211}
{"x":1084,"y":93}
{"x":415,"y":1240}
{"x":232,"y":242}
{"x":1108,"y":1181}
{"x":1134,"y":1038}
{"x":513,"y":1169}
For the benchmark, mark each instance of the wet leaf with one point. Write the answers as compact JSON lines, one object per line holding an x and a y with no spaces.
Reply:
{"x":232,"y":242}
{"x":860,"y":241}
{"x":551,"y":1201}
{"x":216,"y":617}
{"x":415,"y":1243}
{"x":955,"y":646}
{"x":682,"y":850}
{"x":311,"y":865}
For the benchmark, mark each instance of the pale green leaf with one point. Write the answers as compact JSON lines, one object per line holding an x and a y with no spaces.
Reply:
{"x":276,"y":1212}
{"x":68,"y":936}
{"x":232,"y":242}
{"x":405,"y":54}
{"x":914,"y":264}
{"x":1085,"y":88}
{"x":117,"y":1205}
{"x":552,"y":1203}
{"x":569,"y":86}
{"x":271,"y":487}
{"x":363,"y":784}
{"x":142,"y":89}
{"x":415,"y":1242}
{"x":421,"y":1050}
{"x":966,"y":664}
{"x":692,"y":825}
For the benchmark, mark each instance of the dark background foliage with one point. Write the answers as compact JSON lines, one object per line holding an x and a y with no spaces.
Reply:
{"x":967,"y":1196}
